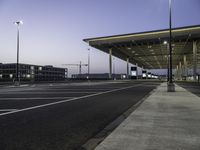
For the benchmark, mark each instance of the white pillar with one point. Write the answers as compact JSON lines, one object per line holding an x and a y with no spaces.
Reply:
{"x":195,"y":60}
{"x":110,"y":63}
{"x":180,"y":70}
{"x":185,"y":65}
{"x":177,"y":71}
{"x":127,"y":61}
{"x":137,"y":70}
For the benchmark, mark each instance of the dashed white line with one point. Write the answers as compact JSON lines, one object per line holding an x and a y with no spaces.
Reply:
{"x":63,"y":101}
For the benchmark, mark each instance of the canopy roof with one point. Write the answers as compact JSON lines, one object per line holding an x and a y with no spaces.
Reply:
{"x":147,"y":49}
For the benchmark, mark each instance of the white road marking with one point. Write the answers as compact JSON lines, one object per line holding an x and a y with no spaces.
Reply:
{"x":63,"y":101}
{"x":11,"y":86}
{"x":31,"y":98}
{"x":76,"y":89}
{"x":8,"y":110}
{"x":95,"y":83}
{"x":47,"y":92}
{"x":22,"y":85}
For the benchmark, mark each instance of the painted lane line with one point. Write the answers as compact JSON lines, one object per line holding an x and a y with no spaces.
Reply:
{"x":32,"y":98}
{"x":23,"y":85}
{"x":96,"y":83}
{"x":24,"y":92}
{"x":64,"y":101}
{"x":83,"y":89}
{"x":8,"y":109}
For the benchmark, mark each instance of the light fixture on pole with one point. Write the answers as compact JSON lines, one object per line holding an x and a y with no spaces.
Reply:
{"x":17,"y":66}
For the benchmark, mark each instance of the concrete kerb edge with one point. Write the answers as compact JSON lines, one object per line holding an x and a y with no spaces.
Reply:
{"x":92,"y":143}
{"x":176,"y":85}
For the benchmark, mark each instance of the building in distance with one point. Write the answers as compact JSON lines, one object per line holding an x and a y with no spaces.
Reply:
{"x":28,"y":72}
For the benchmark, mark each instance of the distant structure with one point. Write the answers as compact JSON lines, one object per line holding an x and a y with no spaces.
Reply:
{"x":105,"y":76}
{"x":98,"y":76}
{"x":32,"y":73}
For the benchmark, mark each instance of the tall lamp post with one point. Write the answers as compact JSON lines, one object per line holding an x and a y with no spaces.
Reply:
{"x":17,"y":67}
{"x":170,"y":87}
{"x":88,"y":61}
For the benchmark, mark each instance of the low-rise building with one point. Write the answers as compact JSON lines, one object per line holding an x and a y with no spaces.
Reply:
{"x":29,"y":72}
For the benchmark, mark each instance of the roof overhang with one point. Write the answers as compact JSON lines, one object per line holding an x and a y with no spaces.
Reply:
{"x":147,"y":49}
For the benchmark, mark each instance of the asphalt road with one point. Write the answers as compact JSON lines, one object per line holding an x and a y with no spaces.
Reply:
{"x":63,"y":116}
{"x":193,"y":87}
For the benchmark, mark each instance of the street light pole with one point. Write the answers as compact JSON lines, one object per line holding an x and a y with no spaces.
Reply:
{"x":171,"y":87}
{"x":17,"y":67}
{"x":170,"y":41}
{"x":88,"y":61}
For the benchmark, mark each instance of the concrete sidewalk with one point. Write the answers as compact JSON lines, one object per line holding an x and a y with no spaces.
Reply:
{"x":165,"y":121}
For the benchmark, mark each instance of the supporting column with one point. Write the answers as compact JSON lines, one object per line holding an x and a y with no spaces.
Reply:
{"x":110,"y":63}
{"x":195,"y":60}
{"x":137,"y":69}
{"x":180,"y":70}
{"x":185,"y":67}
{"x":177,"y":70}
{"x":127,"y":74}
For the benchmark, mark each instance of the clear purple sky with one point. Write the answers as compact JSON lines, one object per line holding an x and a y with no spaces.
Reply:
{"x":53,"y":30}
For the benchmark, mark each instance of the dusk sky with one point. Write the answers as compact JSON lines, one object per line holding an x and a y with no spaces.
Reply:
{"x":53,"y":30}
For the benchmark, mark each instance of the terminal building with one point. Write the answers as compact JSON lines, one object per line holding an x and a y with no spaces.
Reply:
{"x":150,"y":50}
{"x":32,"y":73}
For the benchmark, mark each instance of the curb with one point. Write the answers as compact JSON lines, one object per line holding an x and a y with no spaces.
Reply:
{"x":92,"y":143}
